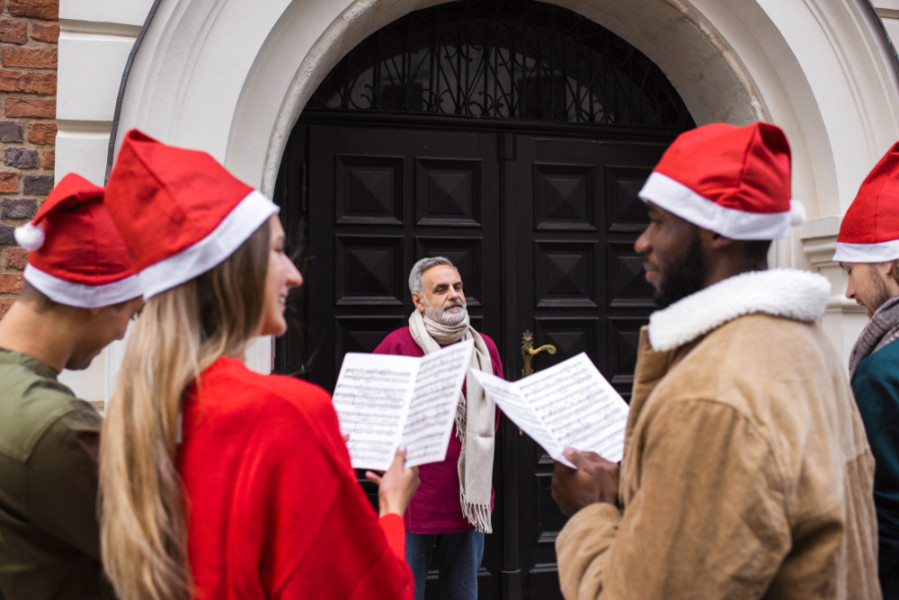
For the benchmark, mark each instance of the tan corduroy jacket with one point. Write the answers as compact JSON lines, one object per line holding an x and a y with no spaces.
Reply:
{"x":746,"y":471}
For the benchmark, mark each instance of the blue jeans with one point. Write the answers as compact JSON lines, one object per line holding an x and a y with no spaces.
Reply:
{"x":458,"y":558}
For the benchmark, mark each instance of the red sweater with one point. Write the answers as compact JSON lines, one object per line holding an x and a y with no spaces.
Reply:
{"x":274,"y":508}
{"x":435,"y":506}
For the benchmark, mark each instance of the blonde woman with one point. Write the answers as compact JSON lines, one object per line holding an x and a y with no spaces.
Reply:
{"x":216,"y":481}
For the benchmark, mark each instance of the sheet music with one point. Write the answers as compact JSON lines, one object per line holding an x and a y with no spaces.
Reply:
{"x":371,"y":400}
{"x":384,"y":400}
{"x":569,"y":404}
{"x":434,"y":400}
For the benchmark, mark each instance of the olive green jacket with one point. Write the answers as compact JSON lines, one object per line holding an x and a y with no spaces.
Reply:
{"x":746,"y":471}
{"x":49,"y":536}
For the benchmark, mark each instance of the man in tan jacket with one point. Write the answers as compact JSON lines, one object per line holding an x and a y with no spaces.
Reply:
{"x":746,"y":471}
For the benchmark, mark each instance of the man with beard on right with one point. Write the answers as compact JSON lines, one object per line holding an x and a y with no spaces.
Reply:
{"x":868,"y":250}
{"x":746,"y":471}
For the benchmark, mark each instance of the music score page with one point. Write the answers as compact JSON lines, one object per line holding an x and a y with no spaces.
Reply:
{"x":568,"y":404}
{"x":385,"y":400}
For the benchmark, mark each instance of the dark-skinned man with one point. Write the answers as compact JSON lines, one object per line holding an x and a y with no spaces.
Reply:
{"x":80,"y":292}
{"x":746,"y":471}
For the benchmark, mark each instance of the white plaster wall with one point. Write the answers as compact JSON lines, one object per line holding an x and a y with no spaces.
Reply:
{"x":94,"y":41}
{"x":232,"y":76}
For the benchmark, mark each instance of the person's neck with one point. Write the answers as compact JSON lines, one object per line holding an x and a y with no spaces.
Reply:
{"x":46,"y":336}
{"x":724,"y":268}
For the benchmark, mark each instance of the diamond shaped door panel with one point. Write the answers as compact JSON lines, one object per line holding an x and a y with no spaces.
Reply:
{"x":565,"y":274}
{"x":563,"y":197}
{"x":623,"y":343}
{"x":624,"y":209}
{"x":369,"y":190}
{"x":363,"y":334}
{"x":448,"y":192}
{"x":570,"y":335}
{"x":371,"y":270}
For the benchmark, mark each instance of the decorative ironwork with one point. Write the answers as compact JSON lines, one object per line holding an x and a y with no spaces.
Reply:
{"x":489,"y":59}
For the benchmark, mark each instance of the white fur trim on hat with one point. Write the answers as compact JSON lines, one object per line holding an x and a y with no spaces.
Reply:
{"x":80,"y":294}
{"x":867,"y":253}
{"x":241,"y":222}
{"x":30,"y":237}
{"x":677,"y":198}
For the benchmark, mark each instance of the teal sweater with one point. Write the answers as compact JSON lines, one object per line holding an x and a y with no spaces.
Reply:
{"x":876,"y":388}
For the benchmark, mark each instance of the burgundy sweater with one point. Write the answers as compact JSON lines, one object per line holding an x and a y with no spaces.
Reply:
{"x":435,"y":506}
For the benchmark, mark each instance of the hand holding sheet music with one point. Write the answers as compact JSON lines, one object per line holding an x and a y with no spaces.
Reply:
{"x":569,"y":404}
{"x":384,"y":400}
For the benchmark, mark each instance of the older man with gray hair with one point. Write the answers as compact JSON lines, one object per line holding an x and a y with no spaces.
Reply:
{"x":450,"y":512}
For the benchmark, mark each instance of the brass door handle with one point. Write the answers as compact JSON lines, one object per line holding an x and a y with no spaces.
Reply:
{"x":528,"y":351}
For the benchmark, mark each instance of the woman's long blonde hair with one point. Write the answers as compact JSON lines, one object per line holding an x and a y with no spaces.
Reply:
{"x":180,"y":332}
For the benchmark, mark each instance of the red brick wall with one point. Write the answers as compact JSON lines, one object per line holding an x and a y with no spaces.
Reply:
{"x":29,"y":30}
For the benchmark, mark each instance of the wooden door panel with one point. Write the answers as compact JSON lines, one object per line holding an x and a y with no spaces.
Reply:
{"x":563,"y":197}
{"x":565,"y":273}
{"x":448,"y":191}
{"x":368,"y":270}
{"x":368,"y":189}
{"x":623,"y":341}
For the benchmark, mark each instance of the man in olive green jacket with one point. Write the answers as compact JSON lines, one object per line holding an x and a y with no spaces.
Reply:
{"x":746,"y":471}
{"x":80,"y":293}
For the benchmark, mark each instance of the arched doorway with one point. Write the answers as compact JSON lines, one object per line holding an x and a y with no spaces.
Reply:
{"x":511,"y":137}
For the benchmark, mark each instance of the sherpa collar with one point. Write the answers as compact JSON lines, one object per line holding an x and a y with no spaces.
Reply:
{"x":791,"y":293}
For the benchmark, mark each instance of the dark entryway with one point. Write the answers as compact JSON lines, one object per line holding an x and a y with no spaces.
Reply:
{"x":512,"y":138}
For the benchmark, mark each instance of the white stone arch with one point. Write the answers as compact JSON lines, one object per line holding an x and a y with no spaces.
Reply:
{"x":232,"y":76}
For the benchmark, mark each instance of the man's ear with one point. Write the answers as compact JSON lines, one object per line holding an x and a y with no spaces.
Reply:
{"x":885,"y":268}
{"x":890,"y":272}
{"x":418,"y":301}
{"x":714,"y":241}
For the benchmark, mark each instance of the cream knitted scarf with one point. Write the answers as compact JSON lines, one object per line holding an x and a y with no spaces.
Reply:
{"x":475,"y":417}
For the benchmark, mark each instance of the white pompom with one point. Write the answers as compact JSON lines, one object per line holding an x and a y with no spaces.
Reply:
{"x":29,"y":236}
{"x":797,"y":212}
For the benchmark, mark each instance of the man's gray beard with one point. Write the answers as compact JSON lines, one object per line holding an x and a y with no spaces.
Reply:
{"x":446,"y":318}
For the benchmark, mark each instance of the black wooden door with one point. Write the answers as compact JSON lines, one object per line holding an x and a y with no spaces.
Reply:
{"x":572,"y":278}
{"x":542,"y":230}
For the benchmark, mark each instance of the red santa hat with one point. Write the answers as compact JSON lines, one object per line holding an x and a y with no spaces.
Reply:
{"x":869,"y":232}
{"x":180,"y":212}
{"x":732,"y":180}
{"x":76,"y":256}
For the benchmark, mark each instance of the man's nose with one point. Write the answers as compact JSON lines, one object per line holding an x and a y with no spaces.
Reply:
{"x":642,"y":246}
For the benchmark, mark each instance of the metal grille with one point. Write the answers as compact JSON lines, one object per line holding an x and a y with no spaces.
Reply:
{"x":488,"y":59}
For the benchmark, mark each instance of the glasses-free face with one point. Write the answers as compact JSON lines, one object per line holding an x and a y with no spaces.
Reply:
{"x":282,"y":276}
{"x":672,"y":256}
{"x":442,"y":298}
{"x":870,"y":284}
